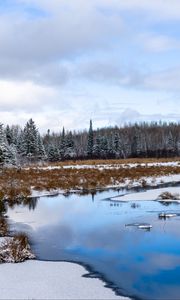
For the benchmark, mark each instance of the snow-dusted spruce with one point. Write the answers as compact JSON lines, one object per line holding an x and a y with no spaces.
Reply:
{"x":90,"y":141}
{"x":31,"y":146}
{"x":7,"y":152}
{"x":138,"y":140}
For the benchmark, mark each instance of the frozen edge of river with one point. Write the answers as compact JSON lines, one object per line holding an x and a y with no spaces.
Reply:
{"x":150,"y":195}
{"x":35,"y":279}
{"x":64,"y":280}
{"x":149,"y":180}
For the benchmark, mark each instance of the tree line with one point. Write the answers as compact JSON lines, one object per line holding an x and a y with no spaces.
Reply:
{"x":21,"y":145}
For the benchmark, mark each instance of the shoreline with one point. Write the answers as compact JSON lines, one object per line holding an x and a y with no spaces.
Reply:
{"x":52,"y":280}
{"x":150,"y":195}
{"x":105,"y":288}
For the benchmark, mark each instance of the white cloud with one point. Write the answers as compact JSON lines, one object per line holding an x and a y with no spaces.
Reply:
{"x":24,"y":96}
{"x":158,"y":43}
{"x":161,"y":8}
{"x":87,"y":59}
{"x":167,"y":80}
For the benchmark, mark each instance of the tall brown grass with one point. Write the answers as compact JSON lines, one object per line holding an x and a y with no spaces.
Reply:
{"x":17,"y":184}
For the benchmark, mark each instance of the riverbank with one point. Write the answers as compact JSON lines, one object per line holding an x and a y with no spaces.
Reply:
{"x":50,"y":280}
{"x":35,"y":180}
{"x":173,"y":195}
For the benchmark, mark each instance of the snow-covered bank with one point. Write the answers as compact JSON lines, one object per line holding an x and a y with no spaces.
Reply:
{"x":127,"y":183}
{"x":44,"y":193}
{"x":109,"y":166}
{"x":50,"y":280}
{"x":147,"y":181}
{"x":150,"y":195}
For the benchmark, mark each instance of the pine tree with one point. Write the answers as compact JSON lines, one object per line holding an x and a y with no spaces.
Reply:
{"x":69,"y":148}
{"x":9,"y":135}
{"x":104,"y":147}
{"x":41,"y":150}
{"x":111,"y":148}
{"x":90,"y":141}
{"x":97,"y":147}
{"x":62,"y":145}
{"x":30,"y":146}
{"x":53,"y":153}
{"x":7,"y":153}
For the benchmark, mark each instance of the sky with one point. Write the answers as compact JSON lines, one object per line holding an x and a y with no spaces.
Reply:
{"x":64,"y":62}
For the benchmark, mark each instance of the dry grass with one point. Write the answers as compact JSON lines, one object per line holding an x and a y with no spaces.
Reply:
{"x":114,"y":161}
{"x":169,"y":196}
{"x":15,"y":249}
{"x":3,"y":226}
{"x":16,"y":184}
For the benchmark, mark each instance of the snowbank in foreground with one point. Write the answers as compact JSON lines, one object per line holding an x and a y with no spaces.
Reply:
{"x":149,"y":195}
{"x":50,"y":280}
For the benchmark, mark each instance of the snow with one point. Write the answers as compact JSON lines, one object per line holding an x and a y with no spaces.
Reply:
{"x":44,"y":193}
{"x":149,"y":195}
{"x":50,"y":280}
{"x":110,"y":166}
{"x":128,"y":183}
{"x":3,"y":240}
{"x":149,"y":181}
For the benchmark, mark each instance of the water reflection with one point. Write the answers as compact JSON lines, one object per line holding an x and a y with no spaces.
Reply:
{"x":3,"y":208}
{"x":75,"y":228}
{"x":3,"y":219}
{"x":28,"y":202}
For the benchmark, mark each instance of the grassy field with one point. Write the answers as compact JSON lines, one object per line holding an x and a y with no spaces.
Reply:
{"x":115,"y":161}
{"x":18,"y":183}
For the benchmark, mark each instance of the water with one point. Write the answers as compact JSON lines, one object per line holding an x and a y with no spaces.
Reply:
{"x":91,"y":230}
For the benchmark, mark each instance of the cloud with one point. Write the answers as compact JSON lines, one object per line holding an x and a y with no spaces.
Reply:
{"x":24,"y":96}
{"x":159,"y":8}
{"x":158,"y":43}
{"x":164,"y":80}
{"x":41,"y":50}
{"x":109,"y":71}
{"x":123,"y":75}
{"x":133,"y":116}
{"x":29,"y":47}
{"x":68,"y":60}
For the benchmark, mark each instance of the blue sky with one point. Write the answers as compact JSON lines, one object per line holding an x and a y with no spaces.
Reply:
{"x":63,"y":62}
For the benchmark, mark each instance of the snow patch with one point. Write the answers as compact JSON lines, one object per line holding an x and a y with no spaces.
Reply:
{"x":50,"y":280}
{"x":150,"y":195}
{"x":109,"y":166}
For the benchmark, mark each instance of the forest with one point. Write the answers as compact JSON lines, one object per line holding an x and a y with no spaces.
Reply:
{"x":19,"y":146}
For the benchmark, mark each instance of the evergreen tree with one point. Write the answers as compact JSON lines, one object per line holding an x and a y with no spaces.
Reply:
{"x":62,"y":145}
{"x":69,"y":148}
{"x":97,"y":147}
{"x":90,"y":141}
{"x":9,"y":135}
{"x":104,"y":147}
{"x":7,"y":154}
{"x":111,"y":148}
{"x":41,"y":150}
{"x":53,"y":153}
{"x":30,"y":144}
